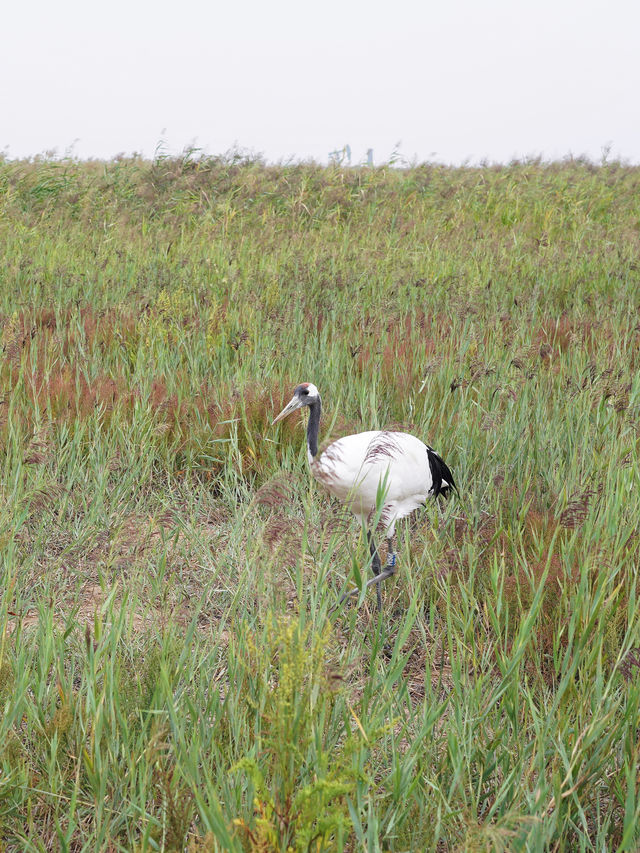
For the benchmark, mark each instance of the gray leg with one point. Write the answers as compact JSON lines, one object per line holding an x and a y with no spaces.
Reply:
{"x":376,"y":566}
{"x":380,"y":575}
{"x":391,"y":555}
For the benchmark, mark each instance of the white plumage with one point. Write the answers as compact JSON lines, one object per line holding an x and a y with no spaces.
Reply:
{"x":380,"y":475}
{"x":360,"y":468}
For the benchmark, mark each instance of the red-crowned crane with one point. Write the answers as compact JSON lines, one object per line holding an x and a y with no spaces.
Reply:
{"x":360,"y":469}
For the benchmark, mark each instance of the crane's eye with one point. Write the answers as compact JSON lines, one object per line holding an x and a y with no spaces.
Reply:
{"x":305,"y":391}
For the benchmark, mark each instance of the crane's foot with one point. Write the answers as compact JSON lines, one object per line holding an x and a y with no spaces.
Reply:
{"x":379,"y":573}
{"x":386,"y":573}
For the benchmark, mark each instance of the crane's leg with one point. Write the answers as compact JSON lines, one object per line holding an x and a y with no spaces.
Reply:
{"x":391,"y":555}
{"x":380,"y":575}
{"x":376,"y":566}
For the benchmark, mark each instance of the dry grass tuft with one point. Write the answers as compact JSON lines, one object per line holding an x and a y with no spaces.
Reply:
{"x":575,"y":513}
{"x":39,"y":450}
{"x":630,"y":664}
{"x":277,"y":493}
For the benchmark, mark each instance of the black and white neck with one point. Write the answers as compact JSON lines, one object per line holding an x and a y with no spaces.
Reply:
{"x":313,"y":427}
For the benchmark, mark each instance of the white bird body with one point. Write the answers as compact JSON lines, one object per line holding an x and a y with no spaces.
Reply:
{"x":381,"y":476}
{"x":367,"y":468}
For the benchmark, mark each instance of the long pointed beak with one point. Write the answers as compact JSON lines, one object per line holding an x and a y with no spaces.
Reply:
{"x":290,"y":407}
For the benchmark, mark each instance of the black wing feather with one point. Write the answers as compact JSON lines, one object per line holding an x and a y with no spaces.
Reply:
{"x":440,"y":474}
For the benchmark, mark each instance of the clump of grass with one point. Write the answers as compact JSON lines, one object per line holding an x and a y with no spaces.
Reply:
{"x":300,"y":781}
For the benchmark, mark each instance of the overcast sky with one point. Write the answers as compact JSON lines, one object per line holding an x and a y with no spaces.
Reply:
{"x":450,"y":80}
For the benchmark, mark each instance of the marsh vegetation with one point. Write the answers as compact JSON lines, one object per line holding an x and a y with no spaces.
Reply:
{"x":170,"y":675}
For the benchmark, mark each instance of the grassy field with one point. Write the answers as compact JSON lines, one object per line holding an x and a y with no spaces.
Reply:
{"x":171,"y":675}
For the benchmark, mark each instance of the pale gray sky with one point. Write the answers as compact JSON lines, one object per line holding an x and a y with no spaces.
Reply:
{"x":450,"y":80}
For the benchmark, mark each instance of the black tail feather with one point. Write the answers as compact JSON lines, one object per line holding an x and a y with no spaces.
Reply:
{"x":441,"y":476}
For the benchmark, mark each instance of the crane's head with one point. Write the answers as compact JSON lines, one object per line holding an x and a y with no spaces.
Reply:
{"x":304,"y":395}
